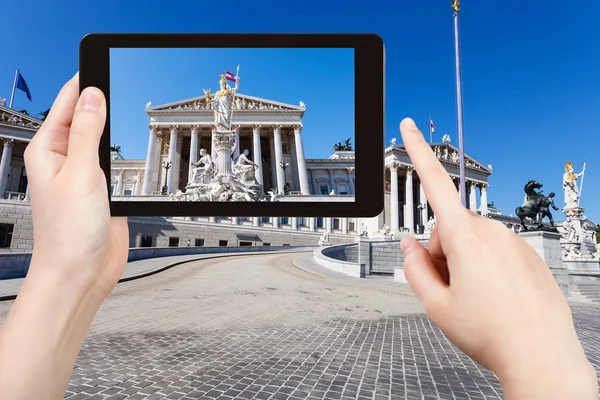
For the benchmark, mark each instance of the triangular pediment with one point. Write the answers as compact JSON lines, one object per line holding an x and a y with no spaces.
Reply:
{"x":446,"y":152}
{"x":242,"y":102}
{"x":12,"y":117}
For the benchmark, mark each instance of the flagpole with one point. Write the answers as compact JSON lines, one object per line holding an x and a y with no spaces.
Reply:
{"x":461,"y":145}
{"x":12,"y":96}
{"x":430,"y":131}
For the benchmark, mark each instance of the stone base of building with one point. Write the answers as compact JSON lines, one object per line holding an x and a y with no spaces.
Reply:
{"x":547,"y":245}
{"x":584,"y":266}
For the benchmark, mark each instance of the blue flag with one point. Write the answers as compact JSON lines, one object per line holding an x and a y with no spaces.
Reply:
{"x":21,"y":84}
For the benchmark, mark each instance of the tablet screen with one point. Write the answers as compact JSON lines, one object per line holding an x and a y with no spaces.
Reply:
{"x":232,"y":124}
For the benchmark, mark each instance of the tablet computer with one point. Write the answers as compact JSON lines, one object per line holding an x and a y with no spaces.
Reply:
{"x":240,"y":124}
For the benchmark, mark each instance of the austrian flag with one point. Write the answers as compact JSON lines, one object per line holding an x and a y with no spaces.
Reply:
{"x":231,"y":76}
{"x":431,"y":124}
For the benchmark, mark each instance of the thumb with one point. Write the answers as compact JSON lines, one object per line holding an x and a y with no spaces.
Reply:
{"x":86,"y":129}
{"x":423,"y":277}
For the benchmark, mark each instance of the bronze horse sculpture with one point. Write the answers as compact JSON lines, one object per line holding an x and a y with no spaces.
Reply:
{"x":532,"y":204}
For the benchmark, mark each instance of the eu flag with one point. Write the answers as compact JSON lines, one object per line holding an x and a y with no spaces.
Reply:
{"x":21,"y":84}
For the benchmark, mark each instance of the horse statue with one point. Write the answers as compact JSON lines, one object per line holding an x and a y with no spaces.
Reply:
{"x":532,"y":204}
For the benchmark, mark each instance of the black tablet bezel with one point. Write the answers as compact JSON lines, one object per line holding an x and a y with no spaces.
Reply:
{"x":94,"y":70}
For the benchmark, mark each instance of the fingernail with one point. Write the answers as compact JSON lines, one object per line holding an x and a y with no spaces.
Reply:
{"x":90,"y":100}
{"x":409,"y":123}
{"x":406,"y":245}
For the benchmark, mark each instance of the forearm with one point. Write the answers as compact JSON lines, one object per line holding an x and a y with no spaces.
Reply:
{"x":42,"y":336}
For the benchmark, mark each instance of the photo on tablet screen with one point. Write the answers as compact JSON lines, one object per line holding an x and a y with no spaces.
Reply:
{"x":232,"y":124}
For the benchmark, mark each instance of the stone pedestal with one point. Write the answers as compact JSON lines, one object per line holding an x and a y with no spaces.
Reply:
{"x":547,"y":245}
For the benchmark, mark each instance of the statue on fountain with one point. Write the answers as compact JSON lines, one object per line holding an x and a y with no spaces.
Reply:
{"x":536,"y":206}
{"x":570,"y":186}
{"x":222,"y":178}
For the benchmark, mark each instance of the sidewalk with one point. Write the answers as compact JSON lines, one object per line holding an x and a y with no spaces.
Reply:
{"x":9,"y":288}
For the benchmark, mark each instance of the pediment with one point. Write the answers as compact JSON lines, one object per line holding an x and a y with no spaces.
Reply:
{"x":242,"y":102}
{"x":12,"y":117}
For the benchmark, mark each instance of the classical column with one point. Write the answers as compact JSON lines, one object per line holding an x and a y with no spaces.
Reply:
{"x":295,"y":223}
{"x":5,"y":164}
{"x":257,"y":154}
{"x":212,"y":219}
{"x":273,"y":164}
{"x":275,"y":222}
{"x":473,"y":196}
{"x":213,"y":150}
{"x":311,"y":224}
{"x":409,"y":211}
{"x":236,"y":133}
{"x":235,"y":220}
{"x":26,"y":198}
{"x":138,"y":180}
{"x":332,"y":182}
{"x":295,"y":185}
{"x":395,"y":223}
{"x":157,"y":176}
{"x":178,"y":161}
{"x":278,"y":158}
{"x":344,"y":223}
{"x":329,"y":223}
{"x":314,"y":182}
{"x":302,"y":174}
{"x":351,"y":180}
{"x":119,"y":188}
{"x":256,"y":221}
{"x":484,"y":201}
{"x":423,"y":202}
{"x":150,"y":160}
{"x":193,"y":150}
{"x":172,"y":159}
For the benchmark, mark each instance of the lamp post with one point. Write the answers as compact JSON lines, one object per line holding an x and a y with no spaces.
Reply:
{"x":420,"y":207}
{"x":284,"y":165}
{"x":166,"y":166}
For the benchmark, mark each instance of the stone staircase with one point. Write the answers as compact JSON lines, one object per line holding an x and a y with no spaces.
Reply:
{"x":586,"y":289}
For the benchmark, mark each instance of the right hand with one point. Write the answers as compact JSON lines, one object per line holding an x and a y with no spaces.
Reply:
{"x":491,"y":294}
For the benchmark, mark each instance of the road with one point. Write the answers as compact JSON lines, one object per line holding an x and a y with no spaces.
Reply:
{"x":260,"y":327}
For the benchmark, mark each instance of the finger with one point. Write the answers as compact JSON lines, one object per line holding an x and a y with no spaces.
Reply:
{"x":86,"y":129}
{"x":437,"y":185}
{"x":438,"y":257}
{"x":423,"y":277}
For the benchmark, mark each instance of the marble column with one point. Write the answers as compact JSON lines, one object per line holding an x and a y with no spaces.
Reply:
{"x":257,"y":154}
{"x":311,"y":223}
{"x":295,"y":223}
{"x":332,"y":182}
{"x":256,"y":221}
{"x":172,"y":159}
{"x":484,"y":201}
{"x":344,"y":222}
{"x":395,"y":208}
{"x":156,"y":179}
{"x":236,"y":133}
{"x":212,"y":219}
{"x":138,"y":183}
{"x":194,"y":151}
{"x":313,"y":175}
{"x":235,"y":220}
{"x":275,"y":222}
{"x":295,"y":183}
{"x":150,"y":160}
{"x":302,"y":174}
{"x":5,"y":164}
{"x":26,"y":198}
{"x":473,"y":196}
{"x":278,"y":158}
{"x":409,"y":210}
{"x":273,"y":164}
{"x":119,"y":188}
{"x":178,"y":161}
{"x":351,"y":180}
{"x":423,"y":202}
{"x":329,"y":223}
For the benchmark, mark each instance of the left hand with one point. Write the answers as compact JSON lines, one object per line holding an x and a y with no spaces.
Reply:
{"x":76,"y":242}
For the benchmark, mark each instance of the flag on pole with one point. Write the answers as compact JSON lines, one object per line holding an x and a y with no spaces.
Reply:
{"x":21,"y":84}
{"x":431,"y":125}
{"x":230,"y":76}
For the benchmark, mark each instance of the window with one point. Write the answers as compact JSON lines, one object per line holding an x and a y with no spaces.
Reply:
{"x":266,"y":244}
{"x":244,"y":243}
{"x":264,"y":219}
{"x":351,"y":226}
{"x":112,"y":189}
{"x":222,"y":242}
{"x":244,"y":218}
{"x":146,"y":241}
{"x":284,"y":221}
{"x":319,"y":222}
{"x":342,"y":189}
{"x":286,"y":244}
{"x":23,"y":181}
{"x":173,"y":242}
{"x":199,"y":242}
{"x":301,"y":221}
{"x":128,"y":190}
{"x":336,"y":223}
{"x":6,"y":233}
{"x":323,"y":189}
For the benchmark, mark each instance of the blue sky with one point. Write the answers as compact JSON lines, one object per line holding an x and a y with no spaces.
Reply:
{"x":284,"y":75}
{"x":531,"y":79}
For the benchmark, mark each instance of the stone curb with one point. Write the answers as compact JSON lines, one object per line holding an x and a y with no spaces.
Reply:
{"x":175,"y":263}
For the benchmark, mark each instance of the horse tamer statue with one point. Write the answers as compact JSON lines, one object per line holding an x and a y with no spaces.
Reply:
{"x":536,"y":206}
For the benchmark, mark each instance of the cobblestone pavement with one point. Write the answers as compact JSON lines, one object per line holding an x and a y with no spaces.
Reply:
{"x":259,"y":327}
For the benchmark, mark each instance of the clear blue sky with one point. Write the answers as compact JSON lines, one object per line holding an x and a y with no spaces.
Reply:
{"x":284,"y":75}
{"x":530,"y":69}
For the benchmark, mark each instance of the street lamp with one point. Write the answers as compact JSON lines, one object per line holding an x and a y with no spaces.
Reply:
{"x":420,"y":207}
{"x":166,"y":166}
{"x":284,"y":166}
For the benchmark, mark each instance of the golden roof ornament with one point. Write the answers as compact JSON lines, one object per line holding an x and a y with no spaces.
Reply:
{"x":456,"y":5}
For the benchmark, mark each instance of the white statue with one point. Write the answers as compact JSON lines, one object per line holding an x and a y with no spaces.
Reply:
{"x":325,"y":237}
{"x":302,"y":105}
{"x":446,"y":138}
{"x":429,"y":225}
{"x":393,"y":142}
{"x":454,"y":156}
{"x":2,"y":101}
{"x":223,"y":103}
{"x":244,"y":167}
{"x":363,"y":231}
{"x":385,"y":230}
{"x":570,"y":185}
{"x":332,"y":192}
{"x":204,"y":169}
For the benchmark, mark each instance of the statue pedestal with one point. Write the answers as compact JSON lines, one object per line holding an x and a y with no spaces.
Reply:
{"x":324,"y":244}
{"x":547,"y":245}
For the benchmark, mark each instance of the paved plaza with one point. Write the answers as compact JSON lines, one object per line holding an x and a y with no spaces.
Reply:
{"x":262,"y":327}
